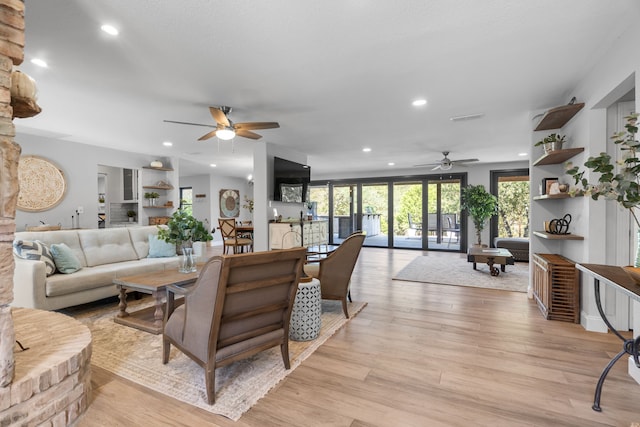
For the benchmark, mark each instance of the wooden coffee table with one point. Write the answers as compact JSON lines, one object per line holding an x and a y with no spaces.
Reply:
{"x":490,"y":256}
{"x":150,"y":319}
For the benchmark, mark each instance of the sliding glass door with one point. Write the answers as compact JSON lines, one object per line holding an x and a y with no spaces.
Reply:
{"x":374,"y":214}
{"x":407,"y":215}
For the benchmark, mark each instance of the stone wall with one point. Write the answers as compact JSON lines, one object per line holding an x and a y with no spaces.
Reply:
{"x":11,"y":53}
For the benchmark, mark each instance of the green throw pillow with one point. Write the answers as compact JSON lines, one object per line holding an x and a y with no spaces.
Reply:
{"x":65,"y":259}
{"x":158,"y":248}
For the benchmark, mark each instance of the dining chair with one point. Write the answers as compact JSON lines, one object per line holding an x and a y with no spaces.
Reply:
{"x":231,"y":238}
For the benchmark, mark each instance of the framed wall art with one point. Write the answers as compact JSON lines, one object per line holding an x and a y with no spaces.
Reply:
{"x":42,"y":184}
{"x":229,"y":203}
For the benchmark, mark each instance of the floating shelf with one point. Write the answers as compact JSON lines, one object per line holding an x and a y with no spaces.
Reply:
{"x":158,"y":187}
{"x":555,"y":196}
{"x":158,"y":207}
{"x":557,"y":117}
{"x":158,"y":169}
{"x":549,"y":236}
{"x":558,"y":156}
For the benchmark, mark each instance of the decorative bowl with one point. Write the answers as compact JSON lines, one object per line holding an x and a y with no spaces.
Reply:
{"x":633,"y":272}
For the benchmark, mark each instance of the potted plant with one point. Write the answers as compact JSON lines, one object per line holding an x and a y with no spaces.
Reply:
{"x":131,"y":215}
{"x":151,"y":196}
{"x":552,"y":142}
{"x":621,"y":185}
{"x":481,"y":205}
{"x":183,"y":229}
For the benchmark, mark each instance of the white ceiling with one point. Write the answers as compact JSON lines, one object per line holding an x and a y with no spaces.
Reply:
{"x":338,"y":75}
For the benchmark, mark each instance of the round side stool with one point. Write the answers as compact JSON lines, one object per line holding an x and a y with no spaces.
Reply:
{"x":305,"y":316}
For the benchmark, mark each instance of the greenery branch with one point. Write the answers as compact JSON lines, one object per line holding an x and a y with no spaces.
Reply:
{"x":480,"y":204}
{"x":618,"y":181}
{"x":183,"y":228}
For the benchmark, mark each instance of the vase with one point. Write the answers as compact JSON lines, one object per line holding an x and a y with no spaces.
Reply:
{"x":187,"y":263}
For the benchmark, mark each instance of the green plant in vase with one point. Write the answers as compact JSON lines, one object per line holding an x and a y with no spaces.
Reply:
{"x":183,"y":229}
{"x":151,"y":197}
{"x":481,"y":205}
{"x":618,"y":181}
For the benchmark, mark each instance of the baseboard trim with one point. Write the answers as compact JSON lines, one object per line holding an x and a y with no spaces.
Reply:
{"x":593,"y":323}
{"x":634,"y":371}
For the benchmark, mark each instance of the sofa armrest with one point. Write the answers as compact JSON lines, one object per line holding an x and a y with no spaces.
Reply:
{"x":29,"y":278}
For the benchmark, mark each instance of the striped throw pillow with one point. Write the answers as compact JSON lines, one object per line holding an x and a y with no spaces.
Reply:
{"x":35,"y":250}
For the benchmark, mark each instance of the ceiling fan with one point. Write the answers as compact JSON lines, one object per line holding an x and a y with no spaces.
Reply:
{"x":445,"y":164}
{"x":225,"y":129}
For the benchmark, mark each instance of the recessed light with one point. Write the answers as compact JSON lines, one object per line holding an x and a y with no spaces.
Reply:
{"x":213,"y":165}
{"x":110,"y":29}
{"x":250,"y":177}
{"x":39,"y":62}
{"x":366,"y":150}
{"x":167,"y":143}
{"x":391,"y":164}
{"x":419,"y":102}
{"x":522,"y":154}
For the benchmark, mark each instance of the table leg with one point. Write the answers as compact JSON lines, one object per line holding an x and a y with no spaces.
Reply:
{"x":158,"y":314}
{"x":474,"y":265}
{"x":503,"y":267}
{"x":123,"y":302}
{"x":494,"y":270}
{"x":629,"y":347}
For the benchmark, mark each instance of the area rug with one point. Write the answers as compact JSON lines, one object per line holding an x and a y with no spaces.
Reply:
{"x":137,"y":356}
{"x":457,"y":271}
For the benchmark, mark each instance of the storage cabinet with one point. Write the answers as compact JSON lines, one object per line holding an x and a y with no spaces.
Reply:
{"x":556,"y":287}
{"x":283,"y":235}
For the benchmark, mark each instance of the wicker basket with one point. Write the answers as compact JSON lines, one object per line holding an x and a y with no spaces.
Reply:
{"x":159,"y":220}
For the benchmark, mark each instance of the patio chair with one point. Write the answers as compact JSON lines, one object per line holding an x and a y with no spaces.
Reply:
{"x":417,"y":226}
{"x":453,"y":229}
{"x":334,"y":271}
{"x":239,"y":306}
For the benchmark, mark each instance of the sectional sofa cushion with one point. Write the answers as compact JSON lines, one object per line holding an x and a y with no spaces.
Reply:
{"x":36,"y":250}
{"x":106,"y":248}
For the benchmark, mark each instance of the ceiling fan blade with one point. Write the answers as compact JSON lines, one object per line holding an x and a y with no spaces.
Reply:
{"x":427,"y":164}
{"x":437,"y":167}
{"x":256,"y":125}
{"x":188,"y":123}
{"x":219,"y":116}
{"x":209,"y":135}
{"x":464,"y":161}
{"x":247,"y":134}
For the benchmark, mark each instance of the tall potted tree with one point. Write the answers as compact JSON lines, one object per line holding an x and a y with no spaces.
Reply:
{"x":481,"y":205}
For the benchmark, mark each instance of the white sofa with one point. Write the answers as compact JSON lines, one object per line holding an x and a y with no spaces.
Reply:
{"x":104,"y":254}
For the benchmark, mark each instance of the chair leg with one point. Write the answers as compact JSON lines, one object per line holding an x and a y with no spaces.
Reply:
{"x":349,"y":295}
{"x":284,"y":349}
{"x":166,"y":346}
{"x":344,"y":307}
{"x":210,"y":383}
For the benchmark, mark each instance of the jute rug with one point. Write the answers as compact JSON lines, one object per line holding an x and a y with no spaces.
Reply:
{"x":457,"y":271}
{"x":137,"y":356}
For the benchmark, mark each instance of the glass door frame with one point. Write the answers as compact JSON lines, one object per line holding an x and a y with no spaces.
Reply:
{"x":495,"y":176}
{"x":390,"y":181}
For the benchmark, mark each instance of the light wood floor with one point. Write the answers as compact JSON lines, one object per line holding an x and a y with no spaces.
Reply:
{"x":419,"y":355}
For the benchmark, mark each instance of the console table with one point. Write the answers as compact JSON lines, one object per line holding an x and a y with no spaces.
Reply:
{"x":620,"y":280}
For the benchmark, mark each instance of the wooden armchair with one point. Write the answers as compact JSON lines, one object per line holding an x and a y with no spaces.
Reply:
{"x":239,"y":306}
{"x":334,"y":271}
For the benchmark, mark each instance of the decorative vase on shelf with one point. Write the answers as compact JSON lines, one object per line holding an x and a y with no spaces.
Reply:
{"x":156,"y":164}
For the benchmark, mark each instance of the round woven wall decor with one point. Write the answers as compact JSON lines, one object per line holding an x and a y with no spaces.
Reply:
{"x":42,"y":184}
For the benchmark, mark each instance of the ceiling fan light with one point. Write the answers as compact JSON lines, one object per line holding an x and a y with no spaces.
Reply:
{"x":445,"y":166}
{"x":226,"y":134}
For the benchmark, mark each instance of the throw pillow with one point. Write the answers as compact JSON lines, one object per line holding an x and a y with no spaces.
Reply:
{"x":36,"y":250}
{"x":158,"y":248}
{"x":65,"y":259}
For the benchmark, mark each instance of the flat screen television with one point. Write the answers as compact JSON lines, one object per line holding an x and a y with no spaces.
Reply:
{"x":290,"y":181}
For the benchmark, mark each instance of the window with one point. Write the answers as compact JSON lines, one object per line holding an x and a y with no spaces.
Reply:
{"x":186,"y":199}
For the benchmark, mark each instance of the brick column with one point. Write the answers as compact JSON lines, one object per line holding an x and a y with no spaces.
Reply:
{"x":11,"y":53}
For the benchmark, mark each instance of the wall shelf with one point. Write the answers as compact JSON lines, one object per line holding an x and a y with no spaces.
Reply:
{"x":158,"y":207}
{"x":549,"y":236}
{"x":558,"y":156}
{"x":555,"y":196}
{"x":557,"y":117}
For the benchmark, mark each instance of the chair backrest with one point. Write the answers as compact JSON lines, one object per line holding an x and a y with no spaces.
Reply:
{"x":254,"y":302}
{"x":227,"y":228}
{"x":335,"y":270}
{"x":412,"y":224}
{"x":246,"y":222}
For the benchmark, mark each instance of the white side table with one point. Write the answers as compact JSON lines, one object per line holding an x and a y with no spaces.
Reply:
{"x":305,"y":316}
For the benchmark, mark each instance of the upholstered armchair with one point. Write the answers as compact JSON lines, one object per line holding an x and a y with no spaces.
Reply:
{"x":239,"y":306}
{"x":334,"y":271}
